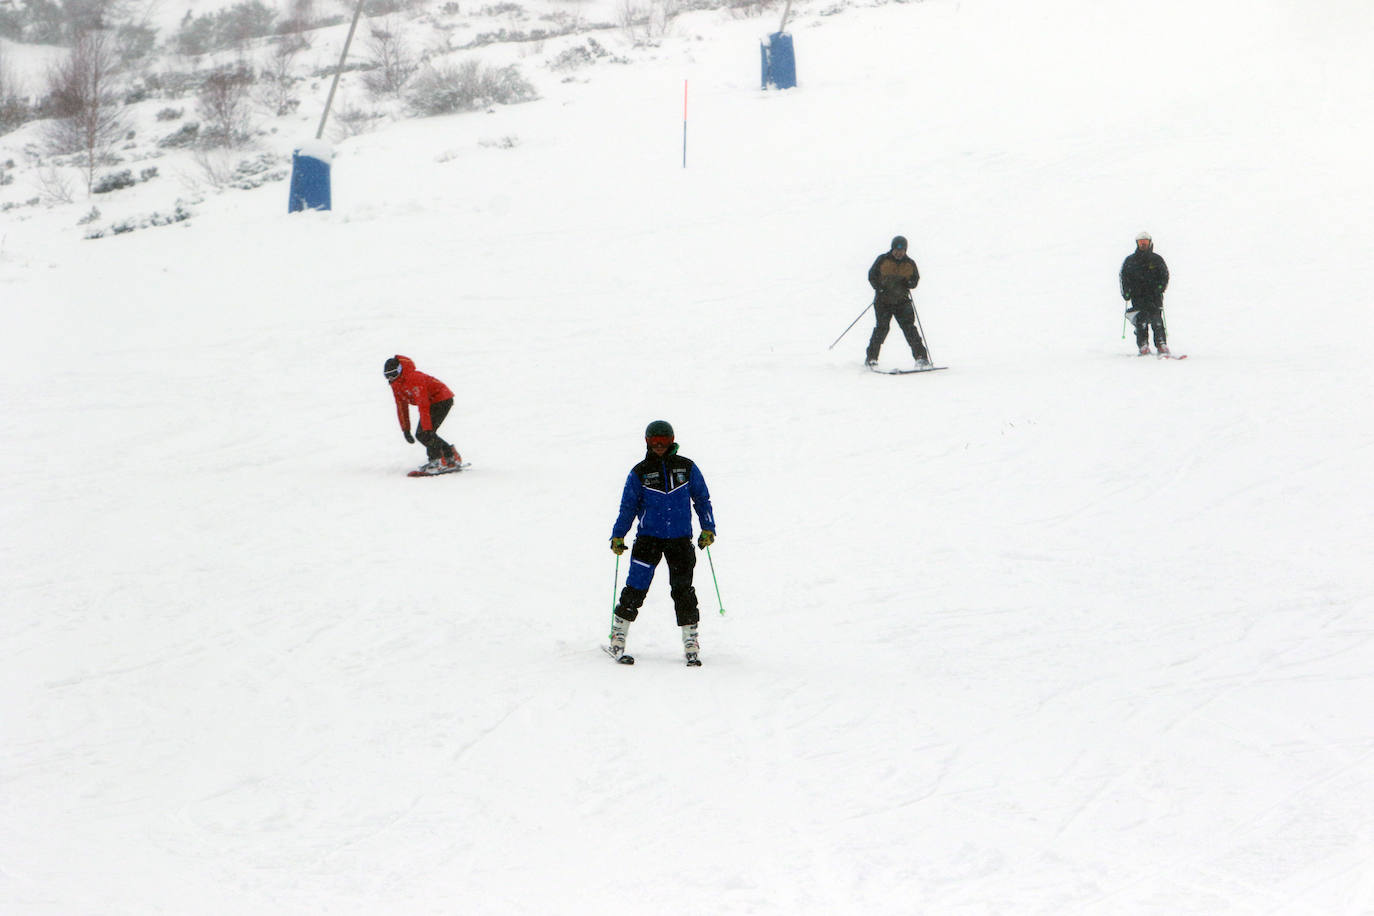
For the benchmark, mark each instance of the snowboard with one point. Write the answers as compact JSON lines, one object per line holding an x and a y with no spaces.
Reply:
{"x":423,"y":472}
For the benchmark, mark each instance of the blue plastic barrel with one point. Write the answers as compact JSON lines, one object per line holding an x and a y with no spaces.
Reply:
{"x":310,"y":176}
{"x":779,"y":62}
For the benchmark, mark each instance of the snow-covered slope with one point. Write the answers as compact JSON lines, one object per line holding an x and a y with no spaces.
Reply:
{"x":1060,"y":630}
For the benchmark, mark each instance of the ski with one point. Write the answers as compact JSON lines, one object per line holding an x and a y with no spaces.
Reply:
{"x":905,"y":371}
{"x":422,"y":472}
{"x":1172,"y":355}
{"x":621,"y":659}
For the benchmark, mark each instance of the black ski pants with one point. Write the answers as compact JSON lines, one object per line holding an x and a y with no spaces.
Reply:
{"x":905,"y":313}
{"x":1147,"y":318}
{"x":644,"y":557}
{"x":434,"y":446}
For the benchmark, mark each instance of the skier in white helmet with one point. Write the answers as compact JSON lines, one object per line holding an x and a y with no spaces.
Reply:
{"x":1144,"y":277}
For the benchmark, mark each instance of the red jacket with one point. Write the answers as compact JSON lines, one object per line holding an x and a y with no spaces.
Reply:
{"x":414,"y":387}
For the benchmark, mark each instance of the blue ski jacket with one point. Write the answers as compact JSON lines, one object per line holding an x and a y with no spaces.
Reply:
{"x":661,"y":493}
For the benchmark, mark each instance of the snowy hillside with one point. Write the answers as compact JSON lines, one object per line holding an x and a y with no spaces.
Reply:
{"x":1059,"y":630}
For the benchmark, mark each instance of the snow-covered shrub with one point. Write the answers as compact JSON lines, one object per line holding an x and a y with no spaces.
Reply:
{"x":352,"y":120}
{"x":225,"y":28}
{"x":178,"y":215}
{"x":258,"y":171}
{"x":377,"y":8}
{"x":188,"y":135}
{"x":469,"y":86}
{"x":506,"y":142}
{"x":11,"y":23}
{"x":114,"y":181}
{"x":579,"y":56}
{"x":134,"y":41}
{"x":171,"y":84}
{"x":14,"y":112}
{"x":14,"y":109}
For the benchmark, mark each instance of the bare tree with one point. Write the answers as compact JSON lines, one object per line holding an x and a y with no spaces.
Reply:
{"x":647,"y":22}
{"x":81,"y":87}
{"x":53,"y":186}
{"x":299,"y":15}
{"x":278,"y":80}
{"x":394,"y":63}
{"x":352,"y":120}
{"x":216,"y":168}
{"x":223,"y":103}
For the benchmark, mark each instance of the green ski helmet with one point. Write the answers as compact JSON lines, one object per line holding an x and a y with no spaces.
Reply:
{"x":659,"y":428}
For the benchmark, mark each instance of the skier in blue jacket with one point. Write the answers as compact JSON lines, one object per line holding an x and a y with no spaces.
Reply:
{"x":661,"y":492}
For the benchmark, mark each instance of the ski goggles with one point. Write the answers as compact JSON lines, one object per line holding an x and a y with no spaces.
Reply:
{"x":655,"y":441}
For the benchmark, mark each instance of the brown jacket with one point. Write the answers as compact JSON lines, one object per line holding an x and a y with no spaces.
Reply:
{"x":893,"y":279}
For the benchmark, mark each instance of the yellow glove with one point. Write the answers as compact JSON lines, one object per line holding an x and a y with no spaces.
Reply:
{"x":618,"y":546}
{"x":706,"y":539}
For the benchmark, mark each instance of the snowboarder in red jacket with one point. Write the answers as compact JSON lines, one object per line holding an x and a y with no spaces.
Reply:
{"x":433,"y":397}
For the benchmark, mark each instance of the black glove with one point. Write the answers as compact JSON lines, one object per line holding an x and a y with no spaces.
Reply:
{"x":409,"y":437}
{"x":1126,"y":296}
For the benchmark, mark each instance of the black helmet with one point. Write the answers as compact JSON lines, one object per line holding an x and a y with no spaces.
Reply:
{"x":392,"y":369}
{"x":659,"y":428}
{"x":899,"y":242}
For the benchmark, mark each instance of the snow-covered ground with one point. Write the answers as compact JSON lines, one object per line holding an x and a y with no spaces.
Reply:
{"x":1059,"y":630}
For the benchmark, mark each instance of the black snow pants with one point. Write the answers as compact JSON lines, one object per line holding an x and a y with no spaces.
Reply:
{"x":644,"y":557}
{"x":1148,"y":317}
{"x":905,"y":313}
{"x":434,"y":446}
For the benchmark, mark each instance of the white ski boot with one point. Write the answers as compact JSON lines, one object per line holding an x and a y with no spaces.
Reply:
{"x":690,"y":646}
{"x":620,"y":629}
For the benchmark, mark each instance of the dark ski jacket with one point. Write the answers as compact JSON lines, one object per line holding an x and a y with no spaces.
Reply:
{"x":661,"y":492}
{"x":893,"y":279}
{"x":1144,"y":277}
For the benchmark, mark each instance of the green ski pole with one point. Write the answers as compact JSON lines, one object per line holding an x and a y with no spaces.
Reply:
{"x":715,"y":580}
{"x":615,"y":585}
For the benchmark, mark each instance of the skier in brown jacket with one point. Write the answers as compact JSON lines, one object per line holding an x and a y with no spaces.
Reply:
{"x":893,"y":276}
